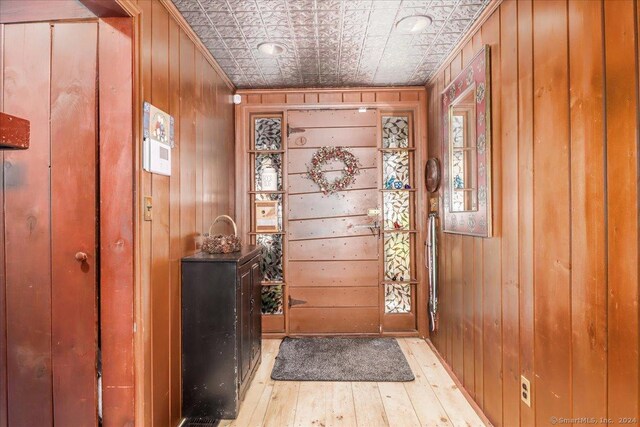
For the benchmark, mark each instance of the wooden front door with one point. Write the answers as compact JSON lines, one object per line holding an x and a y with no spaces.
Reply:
{"x":48,"y":286}
{"x":333,"y":259}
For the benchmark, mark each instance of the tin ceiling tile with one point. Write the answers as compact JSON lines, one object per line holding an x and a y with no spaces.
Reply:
{"x":329,"y":42}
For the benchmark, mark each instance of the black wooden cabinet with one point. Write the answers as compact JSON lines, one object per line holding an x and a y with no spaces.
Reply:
{"x":221,"y":331}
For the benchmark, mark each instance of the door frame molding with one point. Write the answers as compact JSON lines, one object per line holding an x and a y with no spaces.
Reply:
{"x":271,"y":101}
{"x":116,"y":214}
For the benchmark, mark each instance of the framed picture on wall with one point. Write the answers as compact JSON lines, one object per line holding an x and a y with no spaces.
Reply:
{"x":266,"y":216}
{"x":466,"y":118}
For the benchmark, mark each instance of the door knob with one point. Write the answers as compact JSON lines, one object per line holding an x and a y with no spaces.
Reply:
{"x":81,"y":256}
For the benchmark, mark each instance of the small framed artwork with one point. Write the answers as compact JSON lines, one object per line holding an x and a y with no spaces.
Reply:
{"x":266,"y":216}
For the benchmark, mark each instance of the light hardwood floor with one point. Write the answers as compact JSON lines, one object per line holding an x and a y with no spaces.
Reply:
{"x":431,"y":400}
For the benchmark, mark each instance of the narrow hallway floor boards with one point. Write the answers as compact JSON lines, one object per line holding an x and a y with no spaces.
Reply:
{"x":431,"y":400}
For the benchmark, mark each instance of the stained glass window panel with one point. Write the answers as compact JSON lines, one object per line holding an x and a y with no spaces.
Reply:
{"x":396,"y":211}
{"x":395,"y":174}
{"x":266,"y":160}
{"x":397,"y":298}
{"x":268,"y":133}
{"x":272,"y":299}
{"x":397,"y":257}
{"x":395,"y":132}
{"x":271,"y":263}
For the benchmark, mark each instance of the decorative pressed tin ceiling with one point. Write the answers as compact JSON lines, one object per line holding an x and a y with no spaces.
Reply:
{"x":330,"y":43}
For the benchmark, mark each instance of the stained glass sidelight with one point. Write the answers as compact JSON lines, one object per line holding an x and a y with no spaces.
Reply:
{"x":268,"y":133}
{"x":395,"y":132}
{"x":397,"y":257}
{"x":395,"y":170}
{"x":397,"y":298}
{"x":396,"y":210}
{"x":271,"y":256}
{"x":272,"y":299}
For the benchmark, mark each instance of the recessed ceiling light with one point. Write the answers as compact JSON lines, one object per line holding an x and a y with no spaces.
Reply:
{"x":414,"y":23}
{"x":272,"y":48}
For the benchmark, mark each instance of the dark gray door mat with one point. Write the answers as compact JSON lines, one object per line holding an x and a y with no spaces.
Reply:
{"x":341,"y":359}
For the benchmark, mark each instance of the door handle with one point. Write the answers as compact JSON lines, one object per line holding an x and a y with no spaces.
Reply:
{"x":81,"y":256}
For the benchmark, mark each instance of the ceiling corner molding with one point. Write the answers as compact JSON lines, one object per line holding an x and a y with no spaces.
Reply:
{"x":175,"y":13}
{"x":486,"y":13}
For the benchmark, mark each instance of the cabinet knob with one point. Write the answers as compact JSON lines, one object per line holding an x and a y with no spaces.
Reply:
{"x":81,"y":256}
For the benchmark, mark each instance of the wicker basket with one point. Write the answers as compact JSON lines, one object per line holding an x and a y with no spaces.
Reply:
{"x":220,"y":243}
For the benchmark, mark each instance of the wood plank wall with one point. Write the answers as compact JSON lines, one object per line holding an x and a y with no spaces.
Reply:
{"x":554,"y":296}
{"x":177,"y":78}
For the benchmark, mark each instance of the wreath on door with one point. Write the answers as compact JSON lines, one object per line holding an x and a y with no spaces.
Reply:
{"x":325,"y":155}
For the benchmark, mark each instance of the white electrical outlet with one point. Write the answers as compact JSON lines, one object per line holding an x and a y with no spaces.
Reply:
{"x":525,"y":391}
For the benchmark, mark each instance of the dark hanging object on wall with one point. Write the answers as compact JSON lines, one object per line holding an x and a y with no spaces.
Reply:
{"x":14,"y":132}
{"x":432,"y":175}
{"x":221,"y":331}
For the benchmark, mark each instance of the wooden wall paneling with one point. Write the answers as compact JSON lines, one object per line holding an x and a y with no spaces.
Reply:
{"x":468,"y":330}
{"x":3,"y":283}
{"x":116,"y":225}
{"x":478,"y":316}
{"x":187,"y":148}
{"x":178,"y":77}
{"x":621,"y":101}
{"x":160,"y":265}
{"x":145,"y":239}
{"x":510,"y":187}
{"x":26,"y":190}
{"x":588,"y":218}
{"x":492,"y":248}
{"x":467,"y":53}
{"x":525,"y":202}
{"x":199,"y":164}
{"x":187,"y":152}
{"x":73,"y":222}
{"x":208,"y":102}
{"x":446,"y":247}
{"x":552,"y":220}
{"x":457,"y":306}
{"x":175,"y":244}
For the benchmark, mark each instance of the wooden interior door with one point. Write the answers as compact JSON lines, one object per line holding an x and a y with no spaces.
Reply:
{"x":48,"y":281}
{"x":332,"y":261}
